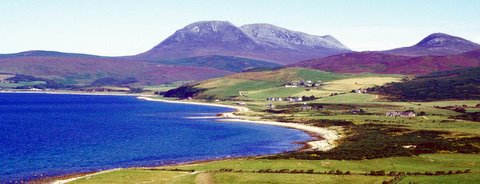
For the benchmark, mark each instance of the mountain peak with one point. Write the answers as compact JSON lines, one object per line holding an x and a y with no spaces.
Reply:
{"x":437,"y":44}
{"x":256,"y":41}
{"x":443,"y":40}
{"x":208,"y":26}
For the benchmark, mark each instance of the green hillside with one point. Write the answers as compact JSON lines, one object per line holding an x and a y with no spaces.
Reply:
{"x":455,"y":84}
{"x":261,"y":85}
{"x":228,"y":63}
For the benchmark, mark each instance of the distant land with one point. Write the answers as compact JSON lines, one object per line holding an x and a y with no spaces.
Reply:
{"x":210,"y":49}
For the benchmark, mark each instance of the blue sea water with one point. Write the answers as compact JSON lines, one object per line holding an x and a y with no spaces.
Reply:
{"x":48,"y":135}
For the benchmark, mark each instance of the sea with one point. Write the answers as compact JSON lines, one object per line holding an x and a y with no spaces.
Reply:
{"x":44,"y":135}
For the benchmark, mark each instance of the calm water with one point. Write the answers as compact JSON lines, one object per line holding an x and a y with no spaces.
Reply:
{"x":42,"y":134}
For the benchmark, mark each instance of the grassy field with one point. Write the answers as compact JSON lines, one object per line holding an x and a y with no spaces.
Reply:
{"x":165,"y":87}
{"x":14,"y":85}
{"x":260,"y":85}
{"x":429,"y":163}
{"x":358,"y":82}
{"x":139,"y":176}
{"x":460,"y":179}
{"x":241,"y":178}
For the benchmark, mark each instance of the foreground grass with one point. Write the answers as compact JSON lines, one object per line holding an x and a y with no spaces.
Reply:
{"x":138,"y":176}
{"x":242,"y":178}
{"x":457,"y":179}
{"x":422,"y":163}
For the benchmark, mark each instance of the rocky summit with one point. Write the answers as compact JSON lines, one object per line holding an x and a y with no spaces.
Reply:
{"x":259,"y":41}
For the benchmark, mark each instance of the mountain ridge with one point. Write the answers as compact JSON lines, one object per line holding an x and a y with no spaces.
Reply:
{"x":379,"y":62}
{"x":224,"y":38}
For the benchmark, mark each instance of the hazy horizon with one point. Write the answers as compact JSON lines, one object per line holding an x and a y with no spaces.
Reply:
{"x":112,"y":28}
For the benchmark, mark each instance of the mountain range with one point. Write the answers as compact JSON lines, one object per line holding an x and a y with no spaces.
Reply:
{"x":378,"y":62}
{"x":257,"y":41}
{"x":81,"y":69}
{"x":209,"y":49}
{"x":436,"y":52}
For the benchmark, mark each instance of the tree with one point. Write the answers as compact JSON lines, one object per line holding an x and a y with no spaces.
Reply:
{"x":460,"y":109}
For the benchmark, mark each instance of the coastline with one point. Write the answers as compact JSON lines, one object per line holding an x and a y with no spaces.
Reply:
{"x":329,"y":136}
{"x":324,"y":139}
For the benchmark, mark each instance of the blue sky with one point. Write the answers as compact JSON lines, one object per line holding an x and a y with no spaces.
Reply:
{"x":125,"y":27}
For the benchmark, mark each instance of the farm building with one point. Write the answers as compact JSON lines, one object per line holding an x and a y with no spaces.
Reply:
{"x":400,"y":114}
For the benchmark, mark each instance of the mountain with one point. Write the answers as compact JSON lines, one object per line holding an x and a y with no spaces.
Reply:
{"x":377,"y":62}
{"x":227,"y":63}
{"x":44,"y":53}
{"x":271,"y":36}
{"x":437,"y":44}
{"x":445,"y":85}
{"x":257,"y":41}
{"x":82,"y":69}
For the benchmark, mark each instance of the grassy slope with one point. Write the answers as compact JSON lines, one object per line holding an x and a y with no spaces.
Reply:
{"x":228,"y":63}
{"x":457,"y":179}
{"x":376,"y":62}
{"x":456,"y":84}
{"x":139,"y":176}
{"x":83,"y":71}
{"x":240,"y":178}
{"x":428,"y":162}
{"x":260,"y":85}
{"x":435,"y":119}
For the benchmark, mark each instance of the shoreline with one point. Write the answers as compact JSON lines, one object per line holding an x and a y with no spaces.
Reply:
{"x":329,"y":136}
{"x":323,"y":139}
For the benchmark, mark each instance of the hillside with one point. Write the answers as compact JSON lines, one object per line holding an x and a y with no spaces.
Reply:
{"x":227,"y":63}
{"x":454,"y":84}
{"x":80,"y":70}
{"x":377,"y":62}
{"x":262,"y":85}
{"x":258,"y":41}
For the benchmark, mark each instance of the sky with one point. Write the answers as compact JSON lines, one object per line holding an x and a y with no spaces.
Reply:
{"x":128,"y":27}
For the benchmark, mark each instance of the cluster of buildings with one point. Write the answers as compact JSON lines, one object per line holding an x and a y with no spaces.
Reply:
{"x":100,"y":89}
{"x":302,"y":83}
{"x":360,"y":90}
{"x":401,"y":114}
{"x":288,"y":99}
{"x":304,"y":107}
